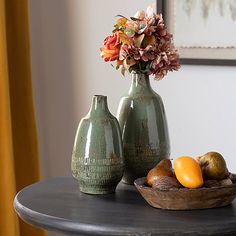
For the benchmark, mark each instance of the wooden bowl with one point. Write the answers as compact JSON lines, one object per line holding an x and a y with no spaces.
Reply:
{"x":186,"y":199}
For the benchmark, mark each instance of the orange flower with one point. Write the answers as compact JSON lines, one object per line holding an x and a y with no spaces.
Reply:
{"x":110,"y":54}
{"x":112,"y":41}
{"x":111,"y":49}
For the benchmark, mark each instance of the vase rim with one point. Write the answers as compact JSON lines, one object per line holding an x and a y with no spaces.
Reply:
{"x":97,"y":95}
{"x":139,"y":75}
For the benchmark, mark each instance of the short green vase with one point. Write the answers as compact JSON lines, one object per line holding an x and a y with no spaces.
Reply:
{"x":143,"y":123}
{"x":97,"y":159}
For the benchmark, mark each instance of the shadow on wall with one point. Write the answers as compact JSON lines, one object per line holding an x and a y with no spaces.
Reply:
{"x":55,"y":82}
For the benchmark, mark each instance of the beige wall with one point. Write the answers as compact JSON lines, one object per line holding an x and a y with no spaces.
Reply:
{"x":65,"y":38}
{"x":67,"y":70}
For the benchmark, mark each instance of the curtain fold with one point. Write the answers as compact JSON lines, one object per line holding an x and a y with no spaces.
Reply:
{"x":19,"y":159}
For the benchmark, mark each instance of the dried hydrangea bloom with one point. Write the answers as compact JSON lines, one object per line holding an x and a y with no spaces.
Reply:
{"x":129,"y":51}
{"x":148,"y":53}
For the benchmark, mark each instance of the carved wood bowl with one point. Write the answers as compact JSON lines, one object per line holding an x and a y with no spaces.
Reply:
{"x":186,"y":199}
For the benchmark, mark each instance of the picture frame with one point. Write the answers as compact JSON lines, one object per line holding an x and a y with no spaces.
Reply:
{"x":196,"y":55}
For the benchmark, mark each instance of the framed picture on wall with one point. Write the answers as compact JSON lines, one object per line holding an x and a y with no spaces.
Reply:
{"x":204,"y":30}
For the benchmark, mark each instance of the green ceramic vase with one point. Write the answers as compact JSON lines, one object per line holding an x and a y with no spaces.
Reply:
{"x":97,"y":159}
{"x":144,"y":129}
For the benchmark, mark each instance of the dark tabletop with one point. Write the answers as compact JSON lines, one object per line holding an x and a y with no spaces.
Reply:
{"x":57,"y":204}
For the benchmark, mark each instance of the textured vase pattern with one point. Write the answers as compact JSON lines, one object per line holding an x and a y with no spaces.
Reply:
{"x":144,"y":129}
{"x":97,"y":159}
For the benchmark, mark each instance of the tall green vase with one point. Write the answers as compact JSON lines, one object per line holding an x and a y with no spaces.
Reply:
{"x":97,"y":159}
{"x":143,"y":123}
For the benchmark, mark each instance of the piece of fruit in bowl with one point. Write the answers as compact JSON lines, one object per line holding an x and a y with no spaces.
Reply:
{"x":213,"y":166}
{"x":192,"y":183}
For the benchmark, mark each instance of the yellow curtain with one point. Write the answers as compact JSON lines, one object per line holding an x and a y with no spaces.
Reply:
{"x":18,"y":135}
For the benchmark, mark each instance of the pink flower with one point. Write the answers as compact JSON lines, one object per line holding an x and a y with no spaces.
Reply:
{"x":140,"y":15}
{"x":148,"y":53}
{"x":150,"y":12}
{"x":166,"y":60}
{"x":129,"y":51}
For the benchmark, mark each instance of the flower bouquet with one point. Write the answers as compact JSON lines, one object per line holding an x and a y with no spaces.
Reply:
{"x":141,"y":44}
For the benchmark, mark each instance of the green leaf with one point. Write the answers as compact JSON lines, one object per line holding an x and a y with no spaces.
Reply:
{"x":123,"y":70}
{"x":149,"y":40}
{"x":128,"y":62}
{"x":126,"y":66}
{"x":130,"y":32}
{"x":138,"y":40}
{"x":134,"y":18}
{"x":125,"y":39}
{"x":122,"y":16}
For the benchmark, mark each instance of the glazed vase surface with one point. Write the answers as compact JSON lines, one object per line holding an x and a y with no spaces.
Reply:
{"x":144,"y":129}
{"x":97,"y":159}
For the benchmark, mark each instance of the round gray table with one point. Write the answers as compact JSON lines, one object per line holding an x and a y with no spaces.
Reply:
{"x":58,"y":205}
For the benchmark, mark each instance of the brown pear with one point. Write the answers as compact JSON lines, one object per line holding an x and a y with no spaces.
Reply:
{"x":213,"y":166}
{"x":163,"y":168}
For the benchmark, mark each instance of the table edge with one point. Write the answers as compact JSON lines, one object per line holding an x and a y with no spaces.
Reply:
{"x":62,"y":225}
{"x":67,"y":226}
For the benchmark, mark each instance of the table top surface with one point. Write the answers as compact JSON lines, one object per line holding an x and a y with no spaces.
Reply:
{"x":57,"y":204}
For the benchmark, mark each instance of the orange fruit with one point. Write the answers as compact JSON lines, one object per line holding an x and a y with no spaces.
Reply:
{"x":188,"y":172}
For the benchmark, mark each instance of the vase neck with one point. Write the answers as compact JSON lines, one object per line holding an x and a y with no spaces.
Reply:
{"x":99,"y":105}
{"x":140,"y":82}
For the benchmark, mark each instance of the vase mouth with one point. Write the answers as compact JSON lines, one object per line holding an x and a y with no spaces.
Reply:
{"x":97,"y":99}
{"x":139,"y":76}
{"x":99,"y":96}
{"x":137,"y":72}
{"x":140,"y":82}
{"x":134,"y":73}
{"x":98,"y":105}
